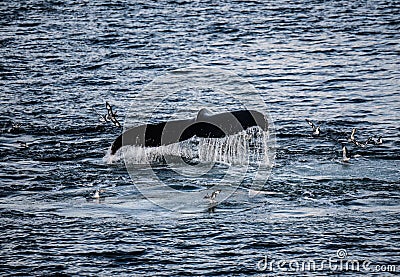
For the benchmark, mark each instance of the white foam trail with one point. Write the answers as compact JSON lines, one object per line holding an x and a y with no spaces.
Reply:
{"x":250,"y":146}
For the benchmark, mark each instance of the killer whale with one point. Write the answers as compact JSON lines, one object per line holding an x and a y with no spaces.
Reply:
{"x":205,"y":125}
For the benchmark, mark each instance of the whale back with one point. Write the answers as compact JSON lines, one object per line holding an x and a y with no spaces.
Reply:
{"x":206,"y":124}
{"x":203,"y":114}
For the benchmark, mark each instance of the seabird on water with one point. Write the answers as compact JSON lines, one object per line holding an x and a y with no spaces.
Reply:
{"x":213,"y":203}
{"x":11,"y":127}
{"x":96,"y":194}
{"x":316,"y":129}
{"x":360,"y":144}
{"x":370,"y":140}
{"x":346,"y":156}
{"x":374,"y":142}
{"x":213,"y":195}
{"x":352,"y":137}
{"x":23,"y":144}
{"x":112,"y":116}
{"x":308,"y":194}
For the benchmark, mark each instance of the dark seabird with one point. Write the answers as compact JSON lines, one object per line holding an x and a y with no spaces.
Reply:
{"x":213,"y":195}
{"x":95,"y":194}
{"x":370,"y":140}
{"x":213,"y":203}
{"x":316,"y":129}
{"x":112,"y":116}
{"x":22,"y":144}
{"x":11,"y":128}
{"x":308,"y":194}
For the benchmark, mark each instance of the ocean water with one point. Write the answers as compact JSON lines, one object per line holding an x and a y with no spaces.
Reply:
{"x":333,"y":62}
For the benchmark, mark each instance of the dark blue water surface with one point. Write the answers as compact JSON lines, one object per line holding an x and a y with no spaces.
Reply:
{"x":334,"y":62}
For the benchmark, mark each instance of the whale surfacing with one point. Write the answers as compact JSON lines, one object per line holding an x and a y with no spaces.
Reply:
{"x":205,"y":125}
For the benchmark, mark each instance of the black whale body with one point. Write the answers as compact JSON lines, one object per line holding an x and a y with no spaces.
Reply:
{"x":205,"y":125}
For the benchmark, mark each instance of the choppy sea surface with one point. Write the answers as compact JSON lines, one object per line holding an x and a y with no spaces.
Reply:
{"x":333,"y":62}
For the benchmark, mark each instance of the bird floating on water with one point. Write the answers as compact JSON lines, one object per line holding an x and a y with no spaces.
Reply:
{"x":12,"y":127}
{"x":96,"y":194}
{"x":346,"y":155}
{"x":352,"y":136}
{"x":352,"y":139}
{"x":22,"y":144}
{"x":308,"y":194}
{"x":316,"y":129}
{"x":213,"y":203}
{"x":371,"y":140}
{"x":213,"y":195}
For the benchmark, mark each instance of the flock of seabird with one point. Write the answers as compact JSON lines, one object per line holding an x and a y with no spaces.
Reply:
{"x":370,"y":140}
{"x":316,"y":131}
{"x":111,"y":116}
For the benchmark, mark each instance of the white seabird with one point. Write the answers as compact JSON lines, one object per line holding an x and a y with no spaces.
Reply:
{"x":352,"y":137}
{"x":346,"y":156}
{"x":96,"y":194}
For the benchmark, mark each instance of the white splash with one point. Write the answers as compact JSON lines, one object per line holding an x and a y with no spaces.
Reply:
{"x":250,"y":146}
